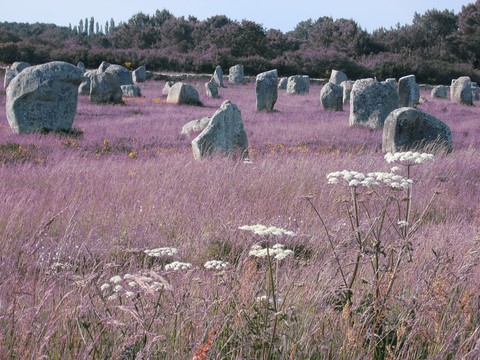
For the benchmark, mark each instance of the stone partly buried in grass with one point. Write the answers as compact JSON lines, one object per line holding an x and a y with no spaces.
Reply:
{"x":408,"y":128}
{"x":224,"y":135}
{"x":43,"y":97}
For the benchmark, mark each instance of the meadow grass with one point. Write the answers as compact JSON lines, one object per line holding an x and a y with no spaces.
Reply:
{"x":78,"y":212}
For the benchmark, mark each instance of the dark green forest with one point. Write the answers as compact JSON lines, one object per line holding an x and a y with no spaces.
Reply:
{"x":436,"y":47}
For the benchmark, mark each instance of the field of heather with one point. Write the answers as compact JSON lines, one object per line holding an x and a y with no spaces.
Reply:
{"x":107,"y":237}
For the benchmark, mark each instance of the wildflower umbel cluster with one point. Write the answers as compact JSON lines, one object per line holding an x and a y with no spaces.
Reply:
{"x":278,"y":251}
{"x":355,"y":179}
{"x":129,"y":285}
{"x":159,"y":252}
{"x":408,"y":158}
{"x":263,"y":230}
{"x":216,"y":265}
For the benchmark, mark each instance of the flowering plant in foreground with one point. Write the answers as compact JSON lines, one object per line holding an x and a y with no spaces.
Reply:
{"x":381,"y":229}
{"x":178,"y":265}
{"x":216,"y":265}
{"x":264,"y":230}
{"x":159,"y":252}
{"x":278,"y":251}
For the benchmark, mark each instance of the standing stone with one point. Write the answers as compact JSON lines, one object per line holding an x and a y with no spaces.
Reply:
{"x":392,"y":82}
{"x":331,"y":97}
{"x":461,"y":91}
{"x":439,"y":91}
{"x":235,"y":74}
{"x":224,"y":135}
{"x":337,"y":77}
{"x":15,"y":69}
{"x":211,"y":89}
{"x":103,"y":66}
{"x":84,"y":87}
{"x":139,"y":75}
{"x":104,"y":88}
{"x":408,"y":128}
{"x":347,"y":90}
{"x":266,"y":90}
{"x":282,"y":83}
{"x":43,"y":97}
{"x":183,"y":94}
{"x":166,"y":88}
{"x":408,"y":91}
{"x":371,"y":102}
{"x":298,"y":84}
{"x":121,"y":73}
{"x":131,"y":90}
{"x":218,"y":76}
{"x":81,"y":66}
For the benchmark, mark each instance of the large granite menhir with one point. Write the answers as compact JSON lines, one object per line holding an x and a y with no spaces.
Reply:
{"x":43,"y":97}
{"x":266,"y":89}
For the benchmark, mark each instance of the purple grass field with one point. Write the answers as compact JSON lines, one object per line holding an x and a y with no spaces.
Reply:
{"x":78,"y":213}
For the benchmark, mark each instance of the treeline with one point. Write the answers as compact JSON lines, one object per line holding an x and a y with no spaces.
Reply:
{"x":437,"y":46}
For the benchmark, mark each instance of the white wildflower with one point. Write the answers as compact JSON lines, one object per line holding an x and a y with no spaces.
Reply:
{"x":177,"y":265}
{"x":118,"y":288}
{"x":408,"y":157}
{"x":129,"y":294}
{"x":163,"y":251}
{"x":105,"y":287}
{"x":215,"y":265}
{"x":394,"y":169}
{"x":116,"y":279}
{"x":402,"y":223}
{"x":132,"y":284}
{"x":112,"y":297}
{"x":156,"y":286}
{"x":263,"y":230}
{"x":128,"y":276}
{"x":278,"y":251}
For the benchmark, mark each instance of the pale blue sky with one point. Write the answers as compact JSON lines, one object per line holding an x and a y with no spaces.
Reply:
{"x":279,"y":14}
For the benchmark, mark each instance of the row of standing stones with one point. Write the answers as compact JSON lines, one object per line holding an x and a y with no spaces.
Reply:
{"x":44,"y":97}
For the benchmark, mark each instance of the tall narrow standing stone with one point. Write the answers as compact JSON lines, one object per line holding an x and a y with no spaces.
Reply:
{"x":266,"y":90}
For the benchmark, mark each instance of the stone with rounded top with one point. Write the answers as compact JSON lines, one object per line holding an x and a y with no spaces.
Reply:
{"x":211,"y":89}
{"x":13,"y":71}
{"x":131,"y":90}
{"x":183,"y":94}
{"x":236,"y":74}
{"x":139,"y":75}
{"x":408,"y":128}
{"x":331,"y":97}
{"x":218,"y":76}
{"x":439,"y":91}
{"x":461,"y":91}
{"x":121,"y":73}
{"x":408,"y":91}
{"x":104,"y":88}
{"x":43,"y":97}
{"x":266,"y":88}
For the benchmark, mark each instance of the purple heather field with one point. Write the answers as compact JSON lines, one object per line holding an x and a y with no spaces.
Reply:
{"x":75,"y":211}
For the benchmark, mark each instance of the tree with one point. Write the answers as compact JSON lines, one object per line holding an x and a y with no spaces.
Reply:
{"x":80,"y":26}
{"x":91,"y":27}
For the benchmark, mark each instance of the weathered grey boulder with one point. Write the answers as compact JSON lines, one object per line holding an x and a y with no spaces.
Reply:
{"x":461,"y":91}
{"x":211,"y":89}
{"x":166,"y":88}
{"x":282,"y":83}
{"x":408,"y":91}
{"x":103,"y":66}
{"x":475,"y":91}
{"x":131,"y":90}
{"x":139,"y":75}
{"x":224,"y":135}
{"x":236,"y":74}
{"x":266,"y":90}
{"x":104,"y":88}
{"x":81,"y":66}
{"x":43,"y":97}
{"x":337,"y":77}
{"x":13,"y":71}
{"x":298,"y":84}
{"x":121,"y":73}
{"x":371,"y":102}
{"x":439,"y":91}
{"x":392,"y":82}
{"x":331,"y":97}
{"x":408,"y":128}
{"x":218,"y":76}
{"x":347,"y":87}
{"x":183,"y":94}
{"x":195,"y":126}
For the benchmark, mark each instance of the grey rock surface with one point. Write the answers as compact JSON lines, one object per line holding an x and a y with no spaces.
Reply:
{"x":331,"y":97}
{"x":43,"y":97}
{"x":225,"y":135}
{"x":183,"y":94}
{"x":266,"y":89}
{"x":408,"y":128}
